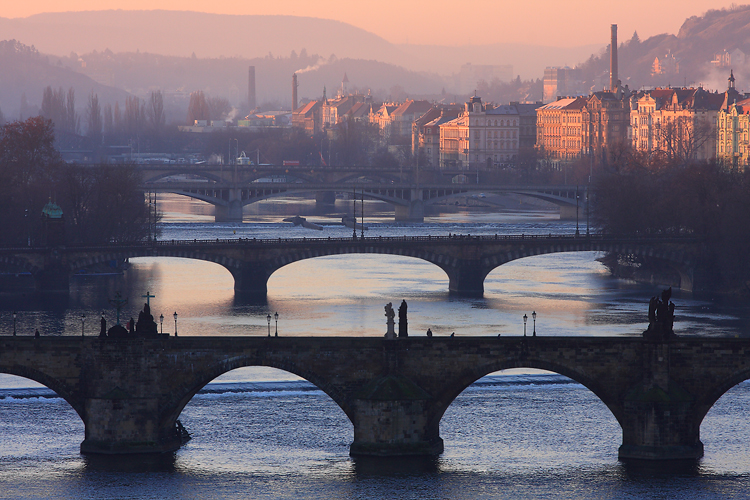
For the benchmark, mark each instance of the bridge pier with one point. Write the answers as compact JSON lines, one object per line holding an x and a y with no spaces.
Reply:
{"x":251,"y":280}
{"x":391,"y":419}
{"x":466,"y":280}
{"x":54,"y":277}
{"x":413,"y":212}
{"x":659,"y":416}
{"x":231,"y":212}
{"x":120,"y":424}
{"x":325,"y":198}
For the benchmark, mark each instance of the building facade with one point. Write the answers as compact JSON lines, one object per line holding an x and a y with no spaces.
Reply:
{"x":732,"y":130}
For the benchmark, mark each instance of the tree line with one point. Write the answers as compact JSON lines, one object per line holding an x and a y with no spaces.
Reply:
{"x":702,"y":199}
{"x":137,"y":118}
{"x":100,"y":204}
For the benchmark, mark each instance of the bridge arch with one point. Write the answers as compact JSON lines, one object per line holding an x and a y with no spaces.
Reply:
{"x":704,"y":405}
{"x":226,"y":262}
{"x":191,"y":386}
{"x":425,"y":256}
{"x":464,"y":380}
{"x":55,"y":385}
{"x":13,"y":262}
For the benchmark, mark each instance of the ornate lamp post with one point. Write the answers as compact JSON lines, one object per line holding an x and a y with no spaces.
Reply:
{"x":578,"y":233}
{"x":175,"y":323}
{"x":533,"y":316}
{"x":15,"y":315}
{"x":276,"y":317}
{"x":525,"y":318}
{"x":83,"y":319}
{"x":268,"y":317}
{"x":161,"y":322}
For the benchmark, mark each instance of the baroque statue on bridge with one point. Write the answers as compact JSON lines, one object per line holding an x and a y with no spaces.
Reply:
{"x":660,"y":317}
{"x":146,"y":324}
{"x":389,"y":315}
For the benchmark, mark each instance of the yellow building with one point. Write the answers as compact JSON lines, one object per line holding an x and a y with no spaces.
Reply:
{"x":732,"y":129}
{"x":559,"y":128}
{"x":679,"y":122}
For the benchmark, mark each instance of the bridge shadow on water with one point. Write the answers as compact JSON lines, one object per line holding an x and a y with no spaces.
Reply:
{"x":136,"y":463}
{"x":639,"y":470}
{"x":369,"y":467}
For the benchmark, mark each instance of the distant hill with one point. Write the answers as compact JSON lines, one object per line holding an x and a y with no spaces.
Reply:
{"x":700,"y":38}
{"x":174,"y":33}
{"x":25,"y":73}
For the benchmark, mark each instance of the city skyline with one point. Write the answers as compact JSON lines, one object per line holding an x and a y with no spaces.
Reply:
{"x":483,"y":23}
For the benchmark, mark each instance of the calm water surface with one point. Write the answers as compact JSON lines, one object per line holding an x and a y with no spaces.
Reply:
{"x":263,"y":433}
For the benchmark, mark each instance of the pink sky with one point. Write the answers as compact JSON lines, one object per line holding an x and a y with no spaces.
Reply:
{"x":443,"y":22}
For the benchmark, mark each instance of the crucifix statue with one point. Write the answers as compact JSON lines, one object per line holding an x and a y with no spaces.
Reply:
{"x":147,"y":297}
{"x":118,"y":302}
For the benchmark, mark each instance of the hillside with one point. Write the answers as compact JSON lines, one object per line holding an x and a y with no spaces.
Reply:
{"x":700,"y":38}
{"x":25,"y":73}
{"x":173,"y":33}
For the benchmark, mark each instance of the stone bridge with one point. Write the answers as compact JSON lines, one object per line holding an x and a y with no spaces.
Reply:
{"x":467,"y":260}
{"x":129,"y":392}
{"x":409,"y":200}
{"x":231,"y":187}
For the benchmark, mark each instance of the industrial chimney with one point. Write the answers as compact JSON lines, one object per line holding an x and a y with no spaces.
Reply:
{"x":294,"y":91}
{"x":251,"y":88}
{"x":613,"y":80}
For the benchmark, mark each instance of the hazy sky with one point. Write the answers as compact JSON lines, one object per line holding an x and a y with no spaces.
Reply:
{"x":444,"y":22}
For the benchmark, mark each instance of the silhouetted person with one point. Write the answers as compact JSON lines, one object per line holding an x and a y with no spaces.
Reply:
{"x":429,"y":332}
{"x":402,"y":323}
{"x":36,"y":334}
{"x":103,"y":331}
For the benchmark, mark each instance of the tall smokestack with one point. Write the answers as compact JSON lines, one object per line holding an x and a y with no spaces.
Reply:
{"x":613,"y":60}
{"x":251,"y":87}
{"x":294,"y":91}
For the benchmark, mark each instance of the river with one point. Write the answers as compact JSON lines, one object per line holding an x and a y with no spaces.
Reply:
{"x":263,"y":433}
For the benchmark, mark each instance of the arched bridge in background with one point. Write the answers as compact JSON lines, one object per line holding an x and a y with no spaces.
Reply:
{"x":466,"y":260}
{"x":231,"y":187}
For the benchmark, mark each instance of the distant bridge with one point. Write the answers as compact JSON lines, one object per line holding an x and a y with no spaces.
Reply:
{"x":231,"y":187}
{"x":467,"y":260}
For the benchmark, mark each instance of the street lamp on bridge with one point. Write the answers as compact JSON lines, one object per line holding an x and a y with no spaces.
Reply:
{"x":533,"y":316}
{"x":83,"y":320}
{"x":161,"y":322}
{"x":525,"y":318}
{"x":175,"y":323}
{"x":268,"y":318}
{"x":578,"y":233}
{"x":276,"y":317}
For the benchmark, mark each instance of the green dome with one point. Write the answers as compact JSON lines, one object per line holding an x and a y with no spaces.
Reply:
{"x":52,"y":210}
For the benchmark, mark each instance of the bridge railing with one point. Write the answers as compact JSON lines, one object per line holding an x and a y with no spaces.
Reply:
{"x":453,"y":238}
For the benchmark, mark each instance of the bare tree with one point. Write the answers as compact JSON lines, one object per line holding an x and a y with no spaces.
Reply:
{"x":198,"y":108}
{"x":72,"y":120}
{"x":94,"y":118}
{"x":117,"y":120}
{"x":155,"y":111}
{"x":218,"y":108}
{"x":682,"y":138}
{"x":109,"y":126}
{"x":135,"y":119}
